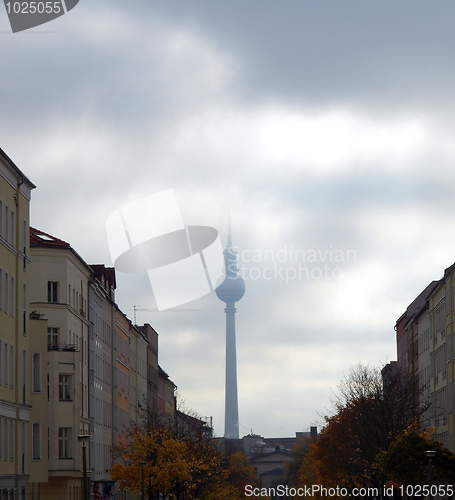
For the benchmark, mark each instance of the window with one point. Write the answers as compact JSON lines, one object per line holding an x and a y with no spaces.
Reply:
{"x":36,"y":372}
{"x":1,"y":218}
{"x":6,"y":233}
{"x":24,"y":448}
{"x":8,"y":438}
{"x":1,"y":361}
{"x":24,"y":308}
{"x":11,"y":439}
{"x":52,"y":291}
{"x":1,"y":288}
{"x":36,"y":441}
{"x":11,"y":365}
{"x":64,"y":442}
{"x":5,"y":365}
{"x":12,"y":296}
{"x":24,"y":376}
{"x":24,"y":238}
{"x":6,"y":292}
{"x":64,"y":387}
{"x":52,"y":338}
{"x":5,"y":439}
{"x":12,"y":228}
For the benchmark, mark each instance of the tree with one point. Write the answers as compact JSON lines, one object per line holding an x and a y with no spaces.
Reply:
{"x":240,"y":472}
{"x":405,"y":462}
{"x":182,"y":462}
{"x":298,"y":452}
{"x":164,"y":457}
{"x":368,"y":417}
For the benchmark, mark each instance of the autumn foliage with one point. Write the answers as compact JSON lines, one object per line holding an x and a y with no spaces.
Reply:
{"x":372,"y":439}
{"x":179,"y":467}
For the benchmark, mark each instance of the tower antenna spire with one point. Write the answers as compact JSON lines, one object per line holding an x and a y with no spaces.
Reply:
{"x":229,"y":238}
{"x":229,"y":230}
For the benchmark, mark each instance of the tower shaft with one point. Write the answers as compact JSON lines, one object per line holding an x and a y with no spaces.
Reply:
{"x":231,"y":415}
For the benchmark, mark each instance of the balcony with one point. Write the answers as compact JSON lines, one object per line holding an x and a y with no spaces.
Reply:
{"x":62,"y":347}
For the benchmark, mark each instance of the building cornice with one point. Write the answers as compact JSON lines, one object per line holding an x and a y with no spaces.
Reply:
{"x":14,"y":176}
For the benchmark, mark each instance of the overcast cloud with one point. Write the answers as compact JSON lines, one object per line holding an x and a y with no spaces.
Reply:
{"x":327,"y":126}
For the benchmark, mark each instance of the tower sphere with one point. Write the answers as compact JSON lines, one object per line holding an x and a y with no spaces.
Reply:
{"x":231,"y":290}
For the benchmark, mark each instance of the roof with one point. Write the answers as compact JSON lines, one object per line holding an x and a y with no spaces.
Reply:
{"x":102,"y":272}
{"x":260,"y":456}
{"x":19,"y":173}
{"x":449,"y":270}
{"x":273,"y":472}
{"x":165,"y":376}
{"x":418,"y":304}
{"x":41,"y":239}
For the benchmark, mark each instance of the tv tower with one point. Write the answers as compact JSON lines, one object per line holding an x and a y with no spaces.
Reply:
{"x":230,"y":292}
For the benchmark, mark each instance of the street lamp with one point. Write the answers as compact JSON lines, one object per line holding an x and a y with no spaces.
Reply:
{"x":430,"y":455}
{"x":142,"y":465}
{"x":84,"y":439}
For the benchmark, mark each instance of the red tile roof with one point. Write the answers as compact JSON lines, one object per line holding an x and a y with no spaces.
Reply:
{"x":40,"y":238}
{"x":104,"y":274}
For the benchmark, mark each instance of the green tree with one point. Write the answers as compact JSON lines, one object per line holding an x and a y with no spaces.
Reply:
{"x":405,"y":461}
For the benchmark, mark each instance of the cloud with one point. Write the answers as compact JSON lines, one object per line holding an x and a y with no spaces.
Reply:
{"x":322,"y":126}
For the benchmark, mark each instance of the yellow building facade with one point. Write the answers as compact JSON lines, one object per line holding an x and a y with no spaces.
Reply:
{"x":23,"y":356}
{"x":59,"y":293}
{"x":71,"y":363}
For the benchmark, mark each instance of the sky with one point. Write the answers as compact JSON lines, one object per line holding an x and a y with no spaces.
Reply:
{"x":324,"y":128}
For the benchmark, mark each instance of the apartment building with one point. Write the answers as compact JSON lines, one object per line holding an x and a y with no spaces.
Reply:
{"x":59,"y":292}
{"x":449,"y":278}
{"x":139,"y":371}
{"x":151,"y":394}
{"x":167,"y":402}
{"x":101,"y":314}
{"x":122,"y":374}
{"x":438,"y":354}
{"x":412,"y":328}
{"x":23,"y":422}
{"x":442,"y":318}
{"x":425,"y":349}
{"x":71,"y":362}
{"x":424,"y":367}
{"x":130,"y":377}
{"x":97,"y":365}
